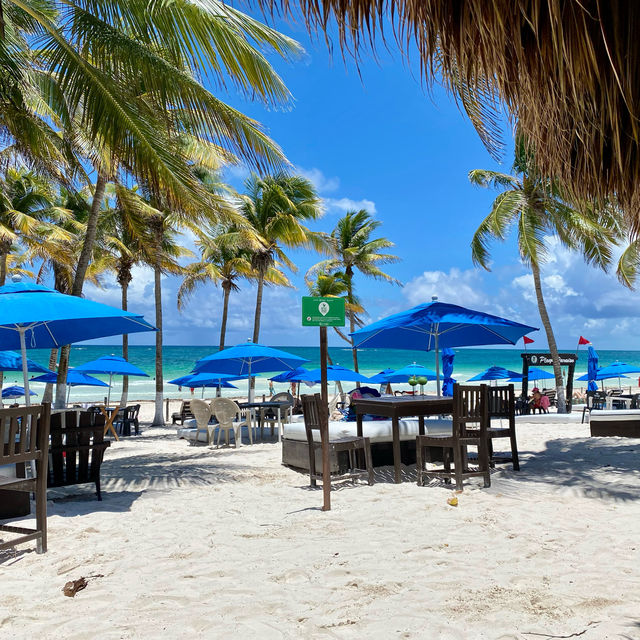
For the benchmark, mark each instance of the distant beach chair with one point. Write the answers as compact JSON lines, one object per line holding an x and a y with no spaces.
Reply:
{"x":184,"y":413}
{"x":202,"y":413}
{"x":551,"y":397}
{"x":316,"y":418}
{"x":595,"y":400}
{"x":127,"y":418}
{"x":469,"y":428}
{"x":226,"y":412}
{"x":24,"y":439}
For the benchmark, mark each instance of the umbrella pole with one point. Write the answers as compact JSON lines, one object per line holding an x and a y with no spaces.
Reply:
{"x":437,"y":363}
{"x":202,"y":394}
{"x":249,"y":393}
{"x":25,"y":375}
{"x":109,"y":392}
{"x":68,"y":393}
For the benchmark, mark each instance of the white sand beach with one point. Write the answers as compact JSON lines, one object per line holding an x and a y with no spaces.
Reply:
{"x":194,"y":542}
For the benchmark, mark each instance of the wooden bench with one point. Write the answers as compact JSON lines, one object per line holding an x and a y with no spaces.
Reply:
{"x":77,"y":449}
{"x":184,"y":413}
{"x":625,"y":423}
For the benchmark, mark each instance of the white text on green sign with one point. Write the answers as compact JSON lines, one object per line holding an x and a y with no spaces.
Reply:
{"x":322,"y":312}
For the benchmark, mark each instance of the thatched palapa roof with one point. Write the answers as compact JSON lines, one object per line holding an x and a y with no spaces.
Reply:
{"x":568,"y":72}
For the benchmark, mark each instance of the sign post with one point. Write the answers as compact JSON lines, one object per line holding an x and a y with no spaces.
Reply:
{"x":323,"y":313}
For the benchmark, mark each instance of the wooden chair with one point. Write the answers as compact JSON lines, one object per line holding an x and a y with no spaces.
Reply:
{"x":77,"y":449}
{"x":202,"y":413}
{"x":595,"y":400}
{"x":226,"y":412}
{"x":185,"y":413}
{"x":502,"y":405}
{"x":24,"y":438}
{"x":469,"y":428}
{"x":316,"y":418}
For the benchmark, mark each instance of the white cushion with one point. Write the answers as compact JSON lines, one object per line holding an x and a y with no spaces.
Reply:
{"x":190,"y":434}
{"x":376,"y":430}
{"x":620,"y":415}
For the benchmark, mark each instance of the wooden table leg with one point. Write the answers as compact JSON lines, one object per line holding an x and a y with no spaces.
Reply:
{"x":396,"y":450}
{"x":109,"y":424}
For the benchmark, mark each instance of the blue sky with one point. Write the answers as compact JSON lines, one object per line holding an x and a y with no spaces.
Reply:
{"x":380,"y":141}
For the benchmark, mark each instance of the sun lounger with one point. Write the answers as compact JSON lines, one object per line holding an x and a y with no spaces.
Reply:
{"x":295,"y":450}
{"x":618,"y":422}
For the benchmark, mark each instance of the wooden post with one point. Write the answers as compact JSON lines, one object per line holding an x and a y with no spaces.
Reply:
{"x":326,"y":469}
{"x":166,"y":408}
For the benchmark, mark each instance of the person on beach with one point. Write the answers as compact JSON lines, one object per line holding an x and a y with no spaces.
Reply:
{"x":539,"y":402}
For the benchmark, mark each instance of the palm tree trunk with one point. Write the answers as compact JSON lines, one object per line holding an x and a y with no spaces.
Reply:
{"x":553,"y":347}
{"x":47,"y":396}
{"x":78,"y":280}
{"x":3,"y":268}
{"x":90,"y":235}
{"x":352,"y":318}
{"x":225,"y":310}
{"x":158,"y":418}
{"x":61,"y":383}
{"x":256,"y":320}
{"x":125,"y":346}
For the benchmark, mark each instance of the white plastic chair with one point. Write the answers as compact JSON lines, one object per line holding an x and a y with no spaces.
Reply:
{"x":226,"y":411}
{"x":202,"y":413}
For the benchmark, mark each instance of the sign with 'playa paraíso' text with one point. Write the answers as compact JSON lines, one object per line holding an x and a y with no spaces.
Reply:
{"x":322,"y":312}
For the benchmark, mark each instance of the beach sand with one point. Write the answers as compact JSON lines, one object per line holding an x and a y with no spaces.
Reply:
{"x":193,"y":542}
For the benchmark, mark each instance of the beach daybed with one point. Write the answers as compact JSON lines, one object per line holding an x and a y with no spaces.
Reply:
{"x":295,"y":450}
{"x":620,"y":422}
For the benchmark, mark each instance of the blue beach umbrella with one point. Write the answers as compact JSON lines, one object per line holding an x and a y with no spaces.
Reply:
{"x":534,"y":374}
{"x":11,"y":361}
{"x":287,"y":376}
{"x":35,"y":317}
{"x":592,"y":369}
{"x":618,"y":369}
{"x":335,"y":373}
{"x":435,"y":325}
{"x":448,"y":355}
{"x":111,"y":366}
{"x":15,"y":392}
{"x":74,"y":379}
{"x":381,"y":377}
{"x":247,"y":359}
{"x":206,"y":380}
{"x":411,"y":371}
{"x":494,"y":373}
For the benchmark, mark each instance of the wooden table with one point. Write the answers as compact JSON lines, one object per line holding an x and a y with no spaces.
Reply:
{"x":278,"y":405}
{"x":403,"y":407}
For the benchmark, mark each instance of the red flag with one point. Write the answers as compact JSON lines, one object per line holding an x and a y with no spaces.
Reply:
{"x":583,"y":341}
{"x":528,"y":340}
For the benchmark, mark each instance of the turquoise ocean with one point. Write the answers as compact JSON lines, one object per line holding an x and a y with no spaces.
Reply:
{"x":179,"y":361}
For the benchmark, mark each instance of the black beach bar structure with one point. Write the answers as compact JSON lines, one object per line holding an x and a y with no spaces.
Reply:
{"x":544,"y":360}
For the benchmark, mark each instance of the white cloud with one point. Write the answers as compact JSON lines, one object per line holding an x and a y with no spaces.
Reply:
{"x":322,"y":183}
{"x":342,"y":205}
{"x":457,"y":286}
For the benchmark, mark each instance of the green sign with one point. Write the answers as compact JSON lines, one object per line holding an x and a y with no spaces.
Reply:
{"x":322,"y":312}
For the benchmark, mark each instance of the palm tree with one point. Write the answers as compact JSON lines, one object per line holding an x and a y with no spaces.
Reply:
{"x":224,"y":266}
{"x":27,"y":214}
{"x":125,"y":232}
{"x":354,"y":249}
{"x":537,"y":208}
{"x":274,"y":208}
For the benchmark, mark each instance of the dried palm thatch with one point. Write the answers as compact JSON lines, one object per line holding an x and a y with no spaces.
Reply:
{"x":567,"y":71}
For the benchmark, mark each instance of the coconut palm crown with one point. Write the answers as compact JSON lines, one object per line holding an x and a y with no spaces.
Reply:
{"x":536,"y":208}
